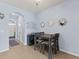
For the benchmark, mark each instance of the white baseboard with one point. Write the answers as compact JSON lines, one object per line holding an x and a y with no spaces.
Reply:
{"x":74,"y":54}
{"x":25,"y":43}
{"x":4,"y":50}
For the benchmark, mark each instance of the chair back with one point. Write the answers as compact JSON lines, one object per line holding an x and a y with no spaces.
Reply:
{"x":56,"y":36}
{"x":38,"y":35}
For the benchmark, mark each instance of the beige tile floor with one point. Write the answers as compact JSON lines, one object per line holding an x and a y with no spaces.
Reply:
{"x":26,"y":52}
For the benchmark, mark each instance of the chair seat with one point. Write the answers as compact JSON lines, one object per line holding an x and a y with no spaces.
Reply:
{"x":47,"y":43}
{"x":39,"y":40}
{"x":44,"y":43}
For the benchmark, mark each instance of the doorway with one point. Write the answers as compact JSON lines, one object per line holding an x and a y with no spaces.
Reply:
{"x":16,"y":29}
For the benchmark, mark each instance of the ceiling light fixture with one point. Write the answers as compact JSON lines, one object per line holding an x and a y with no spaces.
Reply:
{"x":37,"y":2}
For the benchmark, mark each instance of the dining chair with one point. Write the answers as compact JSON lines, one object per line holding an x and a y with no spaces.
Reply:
{"x":54,"y":44}
{"x":37,"y":40}
{"x":45,"y":44}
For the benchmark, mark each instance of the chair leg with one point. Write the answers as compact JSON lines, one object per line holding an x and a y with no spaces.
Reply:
{"x":35,"y":46}
{"x":42,"y":48}
{"x":55,"y":49}
{"x":39,"y":46}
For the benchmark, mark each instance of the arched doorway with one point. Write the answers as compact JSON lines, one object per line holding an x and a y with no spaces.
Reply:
{"x":18,"y":29}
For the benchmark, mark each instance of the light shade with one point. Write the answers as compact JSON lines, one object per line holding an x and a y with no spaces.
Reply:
{"x":37,"y":2}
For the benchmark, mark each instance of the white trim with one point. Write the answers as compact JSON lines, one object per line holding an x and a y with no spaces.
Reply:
{"x":4,"y":50}
{"x":74,"y":54}
{"x":25,"y":44}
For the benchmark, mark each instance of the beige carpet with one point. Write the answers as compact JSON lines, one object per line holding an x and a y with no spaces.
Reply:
{"x":25,"y":52}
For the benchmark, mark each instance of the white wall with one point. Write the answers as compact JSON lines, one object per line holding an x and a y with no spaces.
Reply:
{"x":4,"y":30}
{"x":69,"y":34}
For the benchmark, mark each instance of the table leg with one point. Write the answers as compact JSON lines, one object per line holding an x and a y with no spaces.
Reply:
{"x":50,"y":50}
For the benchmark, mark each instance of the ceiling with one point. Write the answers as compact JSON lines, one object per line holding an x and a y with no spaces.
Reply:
{"x":30,"y":4}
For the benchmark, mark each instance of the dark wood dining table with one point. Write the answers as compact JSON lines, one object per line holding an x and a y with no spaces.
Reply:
{"x":48,"y":37}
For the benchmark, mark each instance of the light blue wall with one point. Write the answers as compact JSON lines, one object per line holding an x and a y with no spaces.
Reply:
{"x":7,"y":10}
{"x":69,"y":39}
{"x":69,"y":34}
{"x":4,"y":42}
